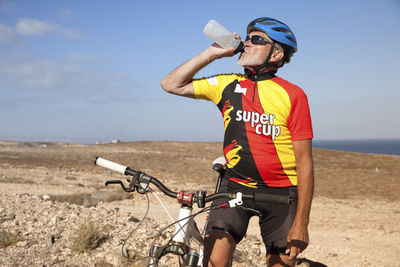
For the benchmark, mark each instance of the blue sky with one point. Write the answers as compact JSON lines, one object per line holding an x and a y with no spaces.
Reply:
{"x":87,"y":71}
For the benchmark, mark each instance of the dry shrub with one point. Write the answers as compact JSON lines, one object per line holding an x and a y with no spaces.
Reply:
{"x":72,"y":198}
{"x":7,"y":239}
{"x":79,"y":199}
{"x":116,"y":196}
{"x":15,"y":180}
{"x":88,"y":237}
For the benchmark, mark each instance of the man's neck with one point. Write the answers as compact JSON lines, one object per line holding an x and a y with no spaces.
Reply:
{"x":258,"y":76}
{"x":264,"y":69}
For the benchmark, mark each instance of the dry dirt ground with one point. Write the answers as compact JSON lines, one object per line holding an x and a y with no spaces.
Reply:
{"x":355,"y":214}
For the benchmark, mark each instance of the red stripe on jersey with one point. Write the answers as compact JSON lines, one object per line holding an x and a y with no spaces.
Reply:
{"x":299,"y":120}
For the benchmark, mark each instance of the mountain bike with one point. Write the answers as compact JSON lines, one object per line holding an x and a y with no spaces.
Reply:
{"x":186,"y":229}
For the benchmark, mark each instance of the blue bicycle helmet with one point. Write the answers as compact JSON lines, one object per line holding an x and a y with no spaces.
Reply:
{"x":276,"y":30}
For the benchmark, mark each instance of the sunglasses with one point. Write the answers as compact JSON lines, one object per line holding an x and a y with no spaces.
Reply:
{"x":258,"y":40}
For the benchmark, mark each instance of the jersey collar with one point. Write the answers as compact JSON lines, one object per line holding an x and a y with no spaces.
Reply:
{"x":258,"y":76}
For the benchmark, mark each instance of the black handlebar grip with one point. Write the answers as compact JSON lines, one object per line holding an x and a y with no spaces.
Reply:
{"x":279,"y":199}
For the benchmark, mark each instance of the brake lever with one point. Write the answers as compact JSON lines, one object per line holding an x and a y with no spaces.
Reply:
{"x":126,"y":189}
{"x":255,"y":212}
{"x":237,"y":202}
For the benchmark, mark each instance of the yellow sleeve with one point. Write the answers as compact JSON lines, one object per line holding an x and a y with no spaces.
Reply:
{"x":211,"y":88}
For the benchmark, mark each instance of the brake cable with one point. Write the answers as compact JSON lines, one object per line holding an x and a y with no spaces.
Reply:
{"x":126,"y":256}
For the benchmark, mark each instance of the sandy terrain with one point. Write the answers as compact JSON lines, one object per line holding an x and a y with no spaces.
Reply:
{"x":355,"y":214}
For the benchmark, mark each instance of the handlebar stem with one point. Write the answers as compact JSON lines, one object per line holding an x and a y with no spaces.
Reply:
{"x":185,"y":198}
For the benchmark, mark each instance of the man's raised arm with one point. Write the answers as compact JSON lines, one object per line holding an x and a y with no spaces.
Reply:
{"x":179,"y":81}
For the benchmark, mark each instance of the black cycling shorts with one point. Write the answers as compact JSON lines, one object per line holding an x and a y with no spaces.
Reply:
{"x":275,"y":221}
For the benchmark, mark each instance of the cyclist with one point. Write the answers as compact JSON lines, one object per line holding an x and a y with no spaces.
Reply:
{"x":267,"y":142}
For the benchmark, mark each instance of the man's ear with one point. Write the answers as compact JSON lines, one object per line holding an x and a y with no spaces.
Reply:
{"x":277,"y":56}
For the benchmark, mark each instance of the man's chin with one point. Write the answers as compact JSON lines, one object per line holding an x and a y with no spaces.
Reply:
{"x":247,"y":63}
{"x":244,"y":65}
{"x":241,"y":63}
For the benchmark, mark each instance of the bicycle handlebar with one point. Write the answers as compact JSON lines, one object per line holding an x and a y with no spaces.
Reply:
{"x":142,"y":181}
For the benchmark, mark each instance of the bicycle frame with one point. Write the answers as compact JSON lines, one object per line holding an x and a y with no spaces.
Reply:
{"x":186,"y":228}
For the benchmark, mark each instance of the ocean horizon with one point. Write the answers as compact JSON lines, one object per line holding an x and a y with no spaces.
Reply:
{"x":374,"y":146}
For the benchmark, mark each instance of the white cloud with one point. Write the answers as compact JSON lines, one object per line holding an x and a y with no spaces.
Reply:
{"x":24,"y":74}
{"x":40,"y":74}
{"x":34,"y":27}
{"x":71,"y":34}
{"x":8,"y":35}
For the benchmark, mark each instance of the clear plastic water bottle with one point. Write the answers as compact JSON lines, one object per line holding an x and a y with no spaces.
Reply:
{"x":222,"y":36}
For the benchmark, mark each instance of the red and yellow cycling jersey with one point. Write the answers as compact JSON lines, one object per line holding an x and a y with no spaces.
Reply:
{"x":262,"y":117}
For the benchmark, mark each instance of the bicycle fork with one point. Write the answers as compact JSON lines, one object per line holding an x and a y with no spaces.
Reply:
{"x":184,"y":228}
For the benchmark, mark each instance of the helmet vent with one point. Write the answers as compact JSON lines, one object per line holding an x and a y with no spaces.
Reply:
{"x":267,"y":22}
{"x":291,"y":39}
{"x":280,"y":29}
